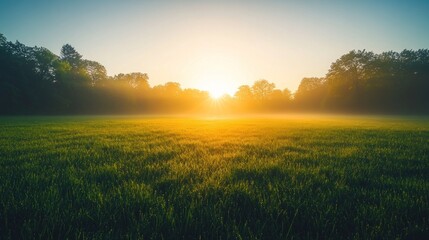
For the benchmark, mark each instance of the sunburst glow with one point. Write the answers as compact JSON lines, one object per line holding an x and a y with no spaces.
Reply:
{"x":218,"y":84}
{"x":219,"y":74}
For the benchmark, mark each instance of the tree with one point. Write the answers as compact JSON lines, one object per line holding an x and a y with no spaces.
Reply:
{"x":95,"y":71}
{"x":70,"y":55}
{"x":45,"y":64}
{"x":311,"y":93}
{"x":172,"y":89}
{"x":287,"y":94}
{"x":347,"y":78}
{"x":33,"y":80}
{"x":3,"y":40}
{"x":244,"y":93}
{"x":262,"y":88}
{"x":139,"y":80}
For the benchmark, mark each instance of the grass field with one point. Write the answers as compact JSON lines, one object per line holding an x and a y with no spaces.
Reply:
{"x":300,"y":177}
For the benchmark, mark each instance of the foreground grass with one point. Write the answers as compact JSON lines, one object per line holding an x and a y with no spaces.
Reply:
{"x":302,"y":177}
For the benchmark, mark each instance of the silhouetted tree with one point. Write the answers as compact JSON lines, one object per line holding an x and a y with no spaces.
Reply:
{"x":95,"y":71}
{"x":310,"y":94}
{"x":46,"y":63}
{"x":70,"y":55}
{"x":33,"y":80}
{"x":389,"y":82}
{"x":347,"y":77}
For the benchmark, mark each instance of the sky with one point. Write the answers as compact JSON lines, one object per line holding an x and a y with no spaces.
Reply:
{"x":218,"y":44}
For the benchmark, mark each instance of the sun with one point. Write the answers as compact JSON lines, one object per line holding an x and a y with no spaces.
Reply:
{"x":219,"y":75}
{"x":218,"y":84}
{"x":217,"y":93}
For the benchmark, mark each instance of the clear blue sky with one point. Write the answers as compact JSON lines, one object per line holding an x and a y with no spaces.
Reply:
{"x":226,"y":43}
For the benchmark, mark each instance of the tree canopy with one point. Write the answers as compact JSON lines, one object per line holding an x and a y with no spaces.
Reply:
{"x":33,"y":80}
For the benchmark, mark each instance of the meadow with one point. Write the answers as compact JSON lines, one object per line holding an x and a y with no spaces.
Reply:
{"x":254,"y":177}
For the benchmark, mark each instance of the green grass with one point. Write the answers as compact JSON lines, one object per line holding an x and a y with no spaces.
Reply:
{"x":300,"y":177}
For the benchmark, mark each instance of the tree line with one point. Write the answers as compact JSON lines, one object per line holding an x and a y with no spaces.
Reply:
{"x":33,"y":80}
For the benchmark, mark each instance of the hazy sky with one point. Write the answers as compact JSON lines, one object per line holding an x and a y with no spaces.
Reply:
{"x":207,"y":44}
